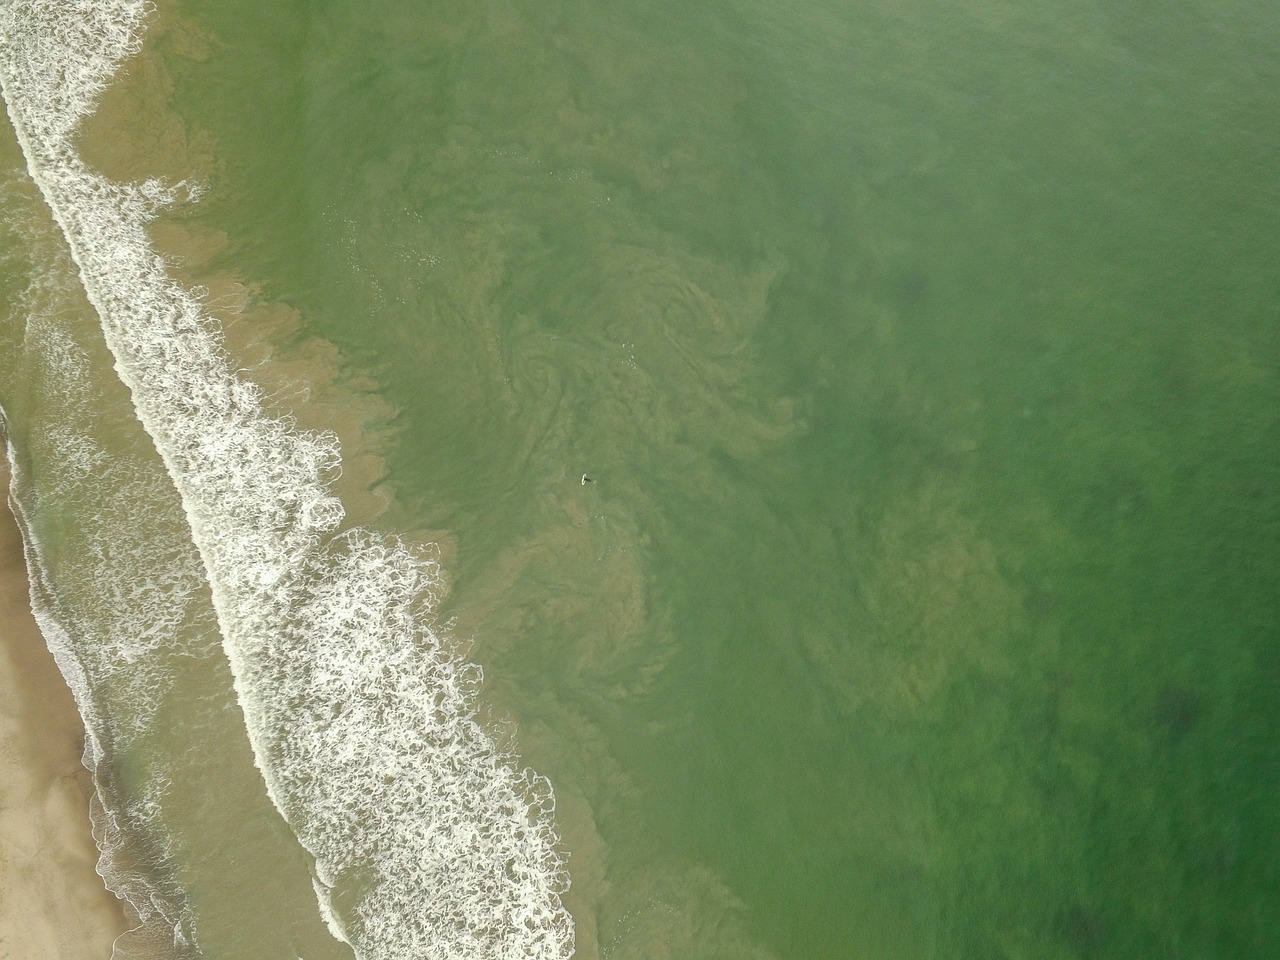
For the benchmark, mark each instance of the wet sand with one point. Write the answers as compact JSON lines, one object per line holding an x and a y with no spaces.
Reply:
{"x":52,"y":902}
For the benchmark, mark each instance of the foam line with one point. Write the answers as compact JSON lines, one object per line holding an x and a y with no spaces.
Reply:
{"x":361,"y":717}
{"x":162,"y":912}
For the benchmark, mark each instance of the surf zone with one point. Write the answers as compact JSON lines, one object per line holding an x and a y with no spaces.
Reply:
{"x":361,"y":716}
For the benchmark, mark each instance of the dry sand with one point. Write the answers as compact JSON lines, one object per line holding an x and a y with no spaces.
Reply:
{"x":52,"y":902}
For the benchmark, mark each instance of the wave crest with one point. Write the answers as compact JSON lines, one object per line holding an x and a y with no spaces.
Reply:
{"x":361,"y":716}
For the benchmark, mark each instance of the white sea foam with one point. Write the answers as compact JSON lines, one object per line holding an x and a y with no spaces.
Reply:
{"x":88,"y":666}
{"x":362,"y":719}
{"x":114,"y":651}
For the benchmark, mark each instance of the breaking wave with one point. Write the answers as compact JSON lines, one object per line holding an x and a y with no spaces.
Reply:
{"x":427,"y":840}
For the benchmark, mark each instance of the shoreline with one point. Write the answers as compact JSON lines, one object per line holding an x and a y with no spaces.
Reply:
{"x":53,"y":904}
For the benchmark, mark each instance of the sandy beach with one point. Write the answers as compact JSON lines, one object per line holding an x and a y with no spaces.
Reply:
{"x":52,"y":902}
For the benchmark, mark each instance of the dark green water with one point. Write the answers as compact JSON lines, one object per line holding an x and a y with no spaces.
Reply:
{"x":926,"y":600}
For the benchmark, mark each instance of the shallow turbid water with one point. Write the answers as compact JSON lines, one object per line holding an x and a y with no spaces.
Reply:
{"x":925,"y":600}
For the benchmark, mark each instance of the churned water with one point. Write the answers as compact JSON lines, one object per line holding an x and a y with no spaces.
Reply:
{"x":845,"y":435}
{"x":360,"y":718}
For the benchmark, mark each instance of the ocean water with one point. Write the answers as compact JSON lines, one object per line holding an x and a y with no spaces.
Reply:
{"x":924,"y":600}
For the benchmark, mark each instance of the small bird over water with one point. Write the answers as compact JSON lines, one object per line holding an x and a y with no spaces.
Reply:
{"x":585,"y":480}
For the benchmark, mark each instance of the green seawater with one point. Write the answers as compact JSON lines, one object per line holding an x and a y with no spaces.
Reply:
{"x":187,"y":833}
{"x":925,"y":600}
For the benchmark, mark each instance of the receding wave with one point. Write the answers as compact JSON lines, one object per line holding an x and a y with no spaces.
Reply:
{"x":122,"y":826}
{"x":427,"y":840}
